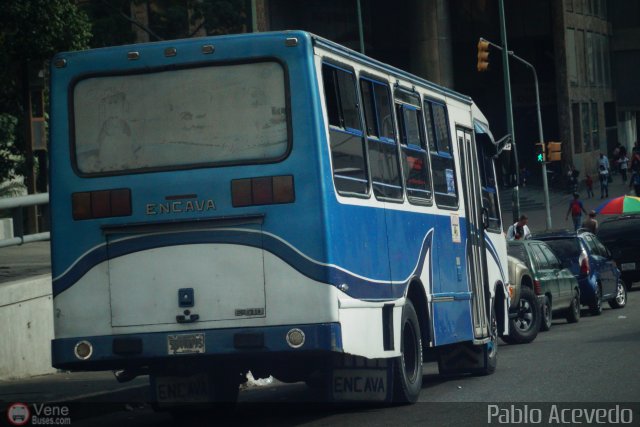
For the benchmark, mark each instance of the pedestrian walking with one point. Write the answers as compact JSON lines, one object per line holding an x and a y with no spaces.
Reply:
{"x":604,"y":182}
{"x":623,"y":165}
{"x":604,"y":161}
{"x":635,"y":182}
{"x":575,"y":209}
{"x":589,"y":185}
{"x":519,"y":230}
{"x":590,"y":224}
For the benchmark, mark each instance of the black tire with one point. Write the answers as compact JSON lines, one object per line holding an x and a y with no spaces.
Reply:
{"x":573,"y":313}
{"x":621,"y":296}
{"x":525,"y":326}
{"x":596,"y":308}
{"x":545,"y":309}
{"x":408,"y":367}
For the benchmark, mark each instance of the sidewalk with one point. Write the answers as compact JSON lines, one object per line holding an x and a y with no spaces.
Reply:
{"x":559,"y":202}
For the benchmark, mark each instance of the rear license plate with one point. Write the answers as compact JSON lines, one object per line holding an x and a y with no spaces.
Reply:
{"x":360,"y":384}
{"x":185,"y":343}
{"x":626,"y":266}
{"x":182,"y":389}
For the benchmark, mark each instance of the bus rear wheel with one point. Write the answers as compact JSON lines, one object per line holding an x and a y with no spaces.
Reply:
{"x":408,"y":367}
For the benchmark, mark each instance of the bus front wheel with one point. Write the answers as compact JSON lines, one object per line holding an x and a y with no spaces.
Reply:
{"x":408,"y":367}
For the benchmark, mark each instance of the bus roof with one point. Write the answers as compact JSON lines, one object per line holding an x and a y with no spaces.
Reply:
{"x":345,"y":51}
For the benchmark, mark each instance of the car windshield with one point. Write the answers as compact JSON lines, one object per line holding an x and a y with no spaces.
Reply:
{"x":517,"y":251}
{"x":567,"y":250}
{"x":619,"y":230}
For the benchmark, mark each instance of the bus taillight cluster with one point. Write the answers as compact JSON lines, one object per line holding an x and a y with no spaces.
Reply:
{"x":101,"y":204}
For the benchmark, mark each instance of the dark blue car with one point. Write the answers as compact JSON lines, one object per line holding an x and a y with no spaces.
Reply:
{"x":591,"y":263}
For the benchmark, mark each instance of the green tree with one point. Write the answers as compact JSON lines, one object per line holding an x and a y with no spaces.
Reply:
{"x":31,"y":32}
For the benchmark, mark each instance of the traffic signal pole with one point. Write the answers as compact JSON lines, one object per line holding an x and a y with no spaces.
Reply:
{"x":545,"y":184}
{"x":515,"y":201}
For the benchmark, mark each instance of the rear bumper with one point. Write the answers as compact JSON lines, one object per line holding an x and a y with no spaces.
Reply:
{"x":135,"y":350}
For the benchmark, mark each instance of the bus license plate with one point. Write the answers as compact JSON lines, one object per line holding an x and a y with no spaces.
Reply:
{"x":182,"y":389}
{"x":185,"y":343}
{"x":360,"y":384}
{"x":626,"y":266}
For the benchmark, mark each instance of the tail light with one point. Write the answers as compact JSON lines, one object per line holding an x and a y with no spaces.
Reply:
{"x":537,"y":287}
{"x":265,"y":190}
{"x":101,"y":204}
{"x":584,"y":264}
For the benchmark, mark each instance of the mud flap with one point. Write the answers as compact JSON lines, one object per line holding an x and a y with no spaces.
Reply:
{"x":358,"y":379}
{"x":464,"y":358}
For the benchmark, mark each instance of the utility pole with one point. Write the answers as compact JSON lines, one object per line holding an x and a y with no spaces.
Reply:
{"x":515,"y":202}
{"x":360,"y":30}
{"x":545,"y":184}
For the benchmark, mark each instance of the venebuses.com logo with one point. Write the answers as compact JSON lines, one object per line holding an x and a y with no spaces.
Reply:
{"x":19,"y":414}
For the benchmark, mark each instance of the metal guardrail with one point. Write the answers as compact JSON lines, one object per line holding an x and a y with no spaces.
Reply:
{"x":16,"y":204}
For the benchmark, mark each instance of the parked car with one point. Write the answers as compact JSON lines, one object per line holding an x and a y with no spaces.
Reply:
{"x":592,"y":265}
{"x":557,"y":284}
{"x":524,"y":311}
{"x":620,"y":236}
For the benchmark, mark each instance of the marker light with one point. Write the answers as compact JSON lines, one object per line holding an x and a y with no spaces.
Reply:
{"x":295,"y":338}
{"x":83,"y":350}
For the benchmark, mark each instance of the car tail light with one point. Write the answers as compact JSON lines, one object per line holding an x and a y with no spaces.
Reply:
{"x":537,"y":287}
{"x":101,"y":204}
{"x":265,"y":190}
{"x":584,"y":264}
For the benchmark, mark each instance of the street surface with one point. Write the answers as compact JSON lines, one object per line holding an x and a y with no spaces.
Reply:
{"x":592,"y":363}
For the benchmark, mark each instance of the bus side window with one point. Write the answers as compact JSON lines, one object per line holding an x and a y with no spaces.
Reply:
{"x":444,"y":174}
{"x":488,"y":182}
{"x":345,"y":131}
{"x":413,"y":148}
{"x":383,"y":153}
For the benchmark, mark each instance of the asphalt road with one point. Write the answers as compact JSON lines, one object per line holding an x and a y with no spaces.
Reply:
{"x":589,"y":365}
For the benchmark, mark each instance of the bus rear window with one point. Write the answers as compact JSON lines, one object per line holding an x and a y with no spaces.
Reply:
{"x":224,"y":114}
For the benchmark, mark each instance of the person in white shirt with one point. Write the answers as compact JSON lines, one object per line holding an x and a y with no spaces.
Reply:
{"x":623,"y":164}
{"x":604,"y":161}
{"x":519,"y":230}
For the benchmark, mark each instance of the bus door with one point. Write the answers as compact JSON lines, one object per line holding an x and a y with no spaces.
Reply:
{"x":475,"y":250}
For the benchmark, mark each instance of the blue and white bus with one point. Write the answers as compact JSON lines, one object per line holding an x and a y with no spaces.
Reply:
{"x":270,"y":202}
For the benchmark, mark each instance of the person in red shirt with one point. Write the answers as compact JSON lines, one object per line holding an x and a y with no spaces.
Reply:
{"x":589,"y":182}
{"x":575,"y":209}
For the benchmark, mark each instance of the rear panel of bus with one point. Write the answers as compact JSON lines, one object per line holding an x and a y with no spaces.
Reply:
{"x":186,"y":201}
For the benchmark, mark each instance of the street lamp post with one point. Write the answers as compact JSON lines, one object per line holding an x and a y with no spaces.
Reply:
{"x":540,"y":134}
{"x":507,"y":94}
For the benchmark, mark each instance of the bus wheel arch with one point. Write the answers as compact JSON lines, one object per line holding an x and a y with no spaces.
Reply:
{"x":416,"y":294}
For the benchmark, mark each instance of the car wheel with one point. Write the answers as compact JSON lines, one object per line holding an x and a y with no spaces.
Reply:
{"x":525,"y":326}
{"x":545,"y":325}
{"x":573,"y":314}
{"x":408,"y":367}
{"x":596,"y":308}
{"x":621,"y":296}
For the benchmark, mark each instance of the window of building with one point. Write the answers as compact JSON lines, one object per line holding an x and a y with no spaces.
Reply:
{"x":606,"y":61}
{"x":572,"y":65}
{"x":345,"y":131}
{"x":595,"y":126}
{"x":586,"y":129}
{"x":588,"y":7}
{"x":577,"y":129}
{"x":598,"y":58}
{"x":569,"y":5}
{"x":580,"y":56}
{"x":381,"y":143}
{"x":413,"y":147}
{"x":590,"y":57}
{"x":577,"y":5}
{"x":445,"y":184}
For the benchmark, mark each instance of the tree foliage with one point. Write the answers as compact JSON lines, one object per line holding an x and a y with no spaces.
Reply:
{"x":31,"y":32}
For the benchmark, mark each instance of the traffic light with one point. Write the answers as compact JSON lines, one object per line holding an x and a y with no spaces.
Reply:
{"x":483,"y":55}
{"x":540,"y":152}
{"x":554,"y":151}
